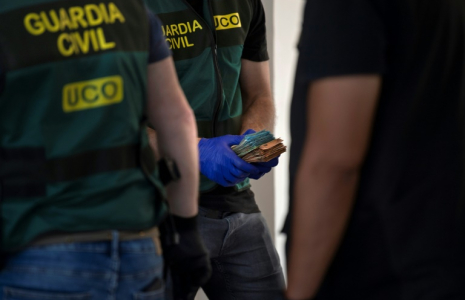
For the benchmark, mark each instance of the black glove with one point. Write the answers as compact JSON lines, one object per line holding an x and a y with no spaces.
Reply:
{"x":186,"y":256}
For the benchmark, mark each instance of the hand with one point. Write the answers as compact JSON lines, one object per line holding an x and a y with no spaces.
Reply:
{"x":187,"y":260}
{"x":263,"y":167}
{"x":219,"y":162}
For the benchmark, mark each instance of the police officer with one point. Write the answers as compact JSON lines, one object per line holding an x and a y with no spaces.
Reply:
{"x":80,"y":202}
{"x":220,"y":54}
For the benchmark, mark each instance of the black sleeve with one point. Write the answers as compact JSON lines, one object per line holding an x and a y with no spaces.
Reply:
{"x":341,"y":37}
{"x":255,"y":42}
{"x":158,"y":49}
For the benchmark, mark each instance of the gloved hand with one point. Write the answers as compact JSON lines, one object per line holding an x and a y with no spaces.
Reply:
{"x":188,"y":261}
{"x":263,"y":167}
{"x":220,"y":164}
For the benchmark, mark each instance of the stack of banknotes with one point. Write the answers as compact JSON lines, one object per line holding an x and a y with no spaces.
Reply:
{"x":261,"y":146}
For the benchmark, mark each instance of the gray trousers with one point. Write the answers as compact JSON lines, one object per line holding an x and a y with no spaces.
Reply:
{"x":244,"y":260}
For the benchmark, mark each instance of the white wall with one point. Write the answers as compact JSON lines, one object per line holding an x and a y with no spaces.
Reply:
{"x":271,"y":191}
{"x":264,"y":188}
{"x":287,"y":18}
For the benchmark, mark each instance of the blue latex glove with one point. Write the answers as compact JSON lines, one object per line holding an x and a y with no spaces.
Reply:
{"x":220,"y":164}
{"x":263,"y":167}
{"x":249,"y":131}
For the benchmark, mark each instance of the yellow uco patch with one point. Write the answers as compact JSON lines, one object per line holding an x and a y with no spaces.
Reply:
{"x":230,"y":21}
{"x":92,"y":93}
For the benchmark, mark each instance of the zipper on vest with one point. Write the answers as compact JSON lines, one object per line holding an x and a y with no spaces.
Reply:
{"x":214,"y":47}
{"x":219,"y":100}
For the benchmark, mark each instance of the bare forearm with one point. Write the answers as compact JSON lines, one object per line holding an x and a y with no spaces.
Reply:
{"x":177,"y":192}
{"x":340,"y":111}
{"x":176,"y":134}
{"x":322,"y":205}
{"x":180,"y":144}
{"x":258,"y":111}
{"x":259,"y":114}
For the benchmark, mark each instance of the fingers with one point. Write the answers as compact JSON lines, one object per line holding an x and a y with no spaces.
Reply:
{"x":244,"y":166}
{"x":227,"y":179}
{"x":224,"y":182}
{"x":257,"y":176}
{"x":249,"y":131}
{"x":234,"y":176}
{"x":270,"y":164}
{"x":264,"y":169}
{"x":233,"y":140}
{"x":239,"y":174}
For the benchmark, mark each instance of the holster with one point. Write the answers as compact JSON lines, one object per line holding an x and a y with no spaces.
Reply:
{"x":168,"y":170}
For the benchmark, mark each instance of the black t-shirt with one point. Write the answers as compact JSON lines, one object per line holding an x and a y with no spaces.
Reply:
{"x":405,"y":238}
{"x":228,"y":199}
{"x":255,"y":49}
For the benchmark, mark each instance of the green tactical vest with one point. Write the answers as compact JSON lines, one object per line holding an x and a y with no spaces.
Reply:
{"x":207,"y":54}
{"x":71,"y":119}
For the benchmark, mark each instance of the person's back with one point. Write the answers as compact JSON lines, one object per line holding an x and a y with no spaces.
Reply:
{"x":404,"y":239}
{"x":81,"y":196}
{"x":70,"y":126}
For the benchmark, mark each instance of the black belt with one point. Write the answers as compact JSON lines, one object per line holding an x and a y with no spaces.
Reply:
{"x":24,"y":172}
